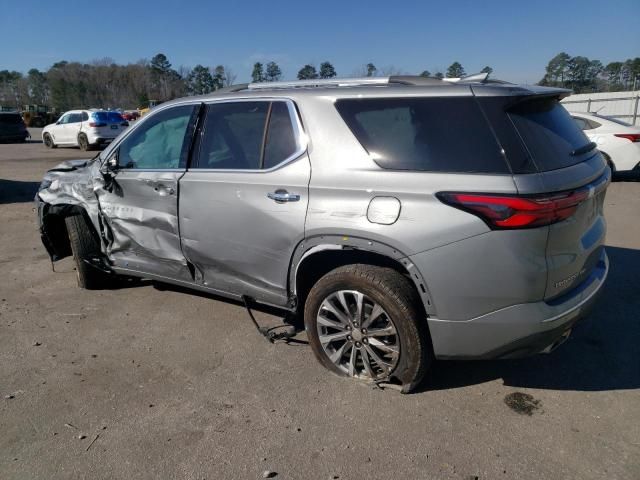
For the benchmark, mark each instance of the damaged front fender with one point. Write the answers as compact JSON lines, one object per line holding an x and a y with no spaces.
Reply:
{"x":67,"y":189}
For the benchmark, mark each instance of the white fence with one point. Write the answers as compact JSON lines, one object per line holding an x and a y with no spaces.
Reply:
{"x":621,"y":105}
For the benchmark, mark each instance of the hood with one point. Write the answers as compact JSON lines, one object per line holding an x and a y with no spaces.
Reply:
{"x":70,"y":182}
{"x":70,"y":165}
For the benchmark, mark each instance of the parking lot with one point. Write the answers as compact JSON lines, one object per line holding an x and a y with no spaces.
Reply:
{"x":153,"y":382}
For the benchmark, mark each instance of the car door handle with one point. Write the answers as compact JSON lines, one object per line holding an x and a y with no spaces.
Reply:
{"x":282,"y":196}
{"x":163,"y":190}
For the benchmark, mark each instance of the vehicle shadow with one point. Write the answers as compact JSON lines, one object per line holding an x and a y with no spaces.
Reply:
{"x":601,"y":354}
{"x":14,"y":191}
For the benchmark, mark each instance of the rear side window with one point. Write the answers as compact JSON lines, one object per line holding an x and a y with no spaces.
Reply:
{"x":425,"y":134}
{"x":281,"y":141}
{"x":246,"y":136}
{"x":10,"y":119}
{"x":549,"y":133}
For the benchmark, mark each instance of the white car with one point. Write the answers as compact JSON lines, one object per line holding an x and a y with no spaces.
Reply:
{"x":84,"y":128}
{"x":618,"y":141}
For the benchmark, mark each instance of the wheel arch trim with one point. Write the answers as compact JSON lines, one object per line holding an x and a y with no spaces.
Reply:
{"x":318,"y":244}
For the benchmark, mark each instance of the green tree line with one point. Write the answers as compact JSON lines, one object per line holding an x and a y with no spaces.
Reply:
{"x":582,"y":74}
{"x":105,"y":84}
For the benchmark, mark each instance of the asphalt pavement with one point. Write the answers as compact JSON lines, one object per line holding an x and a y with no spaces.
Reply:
{"x":153,"y":382}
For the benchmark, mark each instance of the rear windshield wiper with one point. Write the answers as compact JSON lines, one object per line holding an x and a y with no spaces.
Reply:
{"x":584,"y":149}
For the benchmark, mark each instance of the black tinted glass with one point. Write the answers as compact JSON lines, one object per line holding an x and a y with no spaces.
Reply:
{"x":281,"y":142}
{"x":233,"y":134}
{"x":549,"y":133}
{"x":107,"y":117}
{"x":10,"y":119}
{"x":429,"y":134}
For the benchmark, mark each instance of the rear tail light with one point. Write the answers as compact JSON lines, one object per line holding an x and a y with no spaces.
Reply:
{"x":97,"y":124}
{"x":633,"y":137}
{"x":512,"y":211}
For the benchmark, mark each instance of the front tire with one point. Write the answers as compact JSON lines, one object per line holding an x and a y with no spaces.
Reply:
{"x":85,"y":245}
{"x":367,"y":322}
{"x":48,"y":141}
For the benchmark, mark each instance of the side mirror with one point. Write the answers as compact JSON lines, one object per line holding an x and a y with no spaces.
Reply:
{"x":112,"y":163}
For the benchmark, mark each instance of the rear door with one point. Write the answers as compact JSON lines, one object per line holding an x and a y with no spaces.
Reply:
{"x":140,"y":208}
{"x":557,"y":157}
{"x":58,"y":130}
{"x":244,"y":200}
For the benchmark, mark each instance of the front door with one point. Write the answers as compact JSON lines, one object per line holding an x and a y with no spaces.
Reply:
{"x":243,"y":202}
{"x":140,"y":207}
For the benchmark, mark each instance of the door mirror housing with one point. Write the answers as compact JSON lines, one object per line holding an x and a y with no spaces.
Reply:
{"x":112,"y":163}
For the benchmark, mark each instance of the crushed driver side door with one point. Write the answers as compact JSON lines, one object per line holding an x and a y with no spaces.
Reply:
{"x":139,"y":208}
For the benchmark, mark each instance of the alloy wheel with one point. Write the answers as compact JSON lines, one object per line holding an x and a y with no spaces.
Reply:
{"x":357,"y":335}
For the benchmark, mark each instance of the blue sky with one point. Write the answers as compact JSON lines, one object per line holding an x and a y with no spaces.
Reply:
{"x":516,"y":38}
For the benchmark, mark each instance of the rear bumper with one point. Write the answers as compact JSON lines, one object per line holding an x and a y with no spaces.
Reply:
{"x":519,"y":330}
{"x":101,"y":140}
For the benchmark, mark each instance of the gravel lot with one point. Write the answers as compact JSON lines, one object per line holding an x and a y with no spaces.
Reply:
{"x":151,"y":383}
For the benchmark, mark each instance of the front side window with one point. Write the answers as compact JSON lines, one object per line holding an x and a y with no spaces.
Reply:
{"x":246,"y":136}
{"x":161,"y":142}
{"x":65,"y":119}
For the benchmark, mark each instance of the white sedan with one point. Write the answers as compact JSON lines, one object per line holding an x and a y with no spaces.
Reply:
{"x":618,"y":141}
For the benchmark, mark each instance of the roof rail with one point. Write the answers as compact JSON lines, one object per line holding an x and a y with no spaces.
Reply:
{"x":412,"y":80}
{"x":322,"y":82}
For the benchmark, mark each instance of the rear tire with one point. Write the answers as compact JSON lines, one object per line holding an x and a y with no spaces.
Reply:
{"x":83,"y":142}
{"x":404,"y":355}
{"x":48,"y":141}
{"x":84,"y":245}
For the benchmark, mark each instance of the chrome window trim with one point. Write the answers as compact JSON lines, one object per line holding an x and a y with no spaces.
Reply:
{"x":135,"y":170}
{"x":302,"y":140}
{"x":298,"y":132}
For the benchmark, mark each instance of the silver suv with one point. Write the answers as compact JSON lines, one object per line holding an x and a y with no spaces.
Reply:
{"x":404,"y":218}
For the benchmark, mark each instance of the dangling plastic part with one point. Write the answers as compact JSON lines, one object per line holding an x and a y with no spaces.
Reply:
{"x":269,"y":333}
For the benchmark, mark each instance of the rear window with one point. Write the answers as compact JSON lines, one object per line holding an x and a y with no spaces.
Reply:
{"x":424,"y":134}
{"x":10,"y":119}
{"x":549,"y":133}
{"x":107,"y":117}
